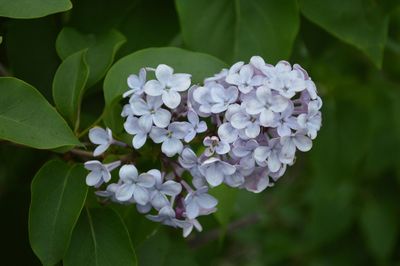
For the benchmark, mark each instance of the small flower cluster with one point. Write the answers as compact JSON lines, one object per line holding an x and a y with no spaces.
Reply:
{"x":258,"y":115}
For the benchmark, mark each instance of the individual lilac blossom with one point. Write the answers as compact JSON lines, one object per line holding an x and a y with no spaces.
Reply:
{"x":134,"y":185}
{"x":202,"y":97}
{"x":189,"y":161}
{"x":266,"y":104}
{"x":150,"y":111}
{"x":284,"y":122}
{"x":215,"y":145}
{"x":199,"y":202}
{"x":245,"y":151}
{"x":245,"y":79}
{"x":197,"y":126}
{"x":283,"y":79}
{"x":269,"y":155}
{"x":101,"y":137}
{"x":221,"y":97}
{"x":136,"y":84}
{"x":170,"y":137}
{"x":188,"y":225}
{"x":168,"y":85}
{"x":162,"y":189}
{"x":219,"y":78}
{"x":249,"y":123}
{"x":166,"y":215}
{"x":99,"y":173}
{"x":235,"y":180}
{"x":311,"y":121}
{"x":226,"y":131}
{"x":110,"y":191}
{"x":290,"y":143}
{"x":215,"y":170}
{"x":139,"y":128}
{"x":258,"y":181}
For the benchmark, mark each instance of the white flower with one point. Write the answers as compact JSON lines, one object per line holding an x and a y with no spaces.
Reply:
{"x":221,"y":98}
{"x":136,"y":83}
{"x":265,"y":104}
{"x":101,"y":137}
{"x":139,"y":128}
{"x":134,"y":185}
{"x":245,"y":79}
{"x":171,"y":137}
{"x":215,"y":170}
{"x":199,"y":202}
{"x":197,"y":126}
{"x":100,"y":173}
{"x":162,"y":189}
{"x":151,"y":111}
{"x":168,"y":85}
{"x":188,"y":225}
{"x":214,"y":144}
{"x":226,"y":131}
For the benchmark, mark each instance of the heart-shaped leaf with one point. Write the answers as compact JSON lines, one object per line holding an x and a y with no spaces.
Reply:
{"x":197,"y":64}
{"x":58,"y":194}
{"x":27,"y":118}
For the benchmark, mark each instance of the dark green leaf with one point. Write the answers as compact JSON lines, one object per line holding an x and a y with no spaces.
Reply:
{"x":100,"y":239}
{"x":32,"y":8}
{"x":197,"y":64}
{"x":27,"y":118}
{"x":101,"y":49}
{"x":237,"y":30}
{"x":68,"y":86}
{"x":58,"y":194}
{"x":359,"y":23}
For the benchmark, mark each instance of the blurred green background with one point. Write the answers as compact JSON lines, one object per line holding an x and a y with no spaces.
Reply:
{"x":338,"y":205}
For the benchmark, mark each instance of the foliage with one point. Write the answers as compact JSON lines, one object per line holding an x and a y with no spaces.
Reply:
{"x":336,"y":206}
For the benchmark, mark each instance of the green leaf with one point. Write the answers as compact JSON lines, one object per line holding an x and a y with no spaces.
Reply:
{"x":32,"y":8}
{"x":197,"y":64}
{"x":379,"y":223}
{"x":226,"y":203}
{"x":27,"y":118}
{"x":100,"y":238}
{"x":69,"y":85}
{"x":237,"y":30}
{"x":359,"y":23}
{"x":101,"y":49}
{"x":58,"y":194}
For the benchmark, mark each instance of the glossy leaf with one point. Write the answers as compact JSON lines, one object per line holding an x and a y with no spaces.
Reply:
{"x":359,"y":23}
{"x":27,"y":118}
{"x":69,"y":85}
{"x":100,"y":239}
{"x":237,"y":30}
{"x":32,"y":8}
{"x":197,"y":64}
{"x":58,"y":194}
{"x":101,"y":49}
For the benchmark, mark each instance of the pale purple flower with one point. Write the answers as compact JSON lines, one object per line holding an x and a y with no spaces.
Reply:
{"x":166,"y":215}
{"x":197,"y":126}
{"x":136,"y":84}
{"x":170,"y":137}
{"x":290,"y":143}
{"x":101,"y":137}
{"x":99,"y":173}
{"x":134,"y":186}
{"x":215,"y":145}
{"x":151,"y":111}
{"x":226,"y":131}
{"x":245,"y":79}
{"x":266,"y":104}
{"x":199,"y":202}
{"x":214,"y":170}
{"x":249,"y":123}
{"x":245,"y":151}
{"x":269,"y":155}
{"x":258,"y":181}
{"x":162,"y":189}
{"x":168,"y":85}
{"x":139,"y":128}
{"x":188,"y":225}
{"x":311,"y":121}
{"x":221,"y":97}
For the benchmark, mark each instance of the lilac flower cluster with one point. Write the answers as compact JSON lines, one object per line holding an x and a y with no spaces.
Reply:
{"x":258,"y":115}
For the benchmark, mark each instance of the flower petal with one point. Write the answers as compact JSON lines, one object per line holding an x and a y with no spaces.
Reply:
{"x":171,"y":146}
{"x":171,"y":98}
{"x":162,"y":118}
